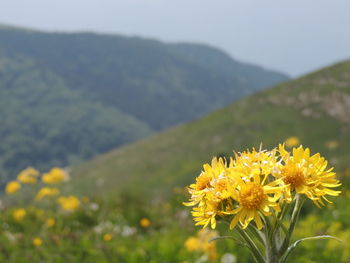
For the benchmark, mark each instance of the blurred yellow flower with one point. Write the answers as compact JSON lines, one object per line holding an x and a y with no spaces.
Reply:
{"x":332,"y":144}
{"x":28,"y":176}
{"x":37,"y":241}
{"x":145,"y":222}
{"x":12,"y":187}
{"x":69,"y":203}
{"x":107,"y":237}
{"x":50,"y":222}
{"x":19,"y":214}
{"x":192,"y":244}
{"x":54,"y":176}
{"x":46,"y":191}
{"x":292,"y":141}
{"x":201,"y":243}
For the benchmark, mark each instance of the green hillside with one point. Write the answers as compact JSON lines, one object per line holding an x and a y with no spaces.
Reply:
{"x":66,"y":97}
{"x":315,"y":108}
{"x":44,"y":122}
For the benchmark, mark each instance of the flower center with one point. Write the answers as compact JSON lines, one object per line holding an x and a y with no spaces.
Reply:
{"x":221,"y":185}
{"x":251,"y":196}
{"x":202,"y":182}
{"x":221,"y":188}
{"x":294,"y":177}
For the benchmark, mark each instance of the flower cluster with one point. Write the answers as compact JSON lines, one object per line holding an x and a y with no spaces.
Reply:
{"x":54,"y":177}
{"x":254,"y":184}
{"x":31,"y":176}
{"x":46,"y":191}
{"x":69,"y":203}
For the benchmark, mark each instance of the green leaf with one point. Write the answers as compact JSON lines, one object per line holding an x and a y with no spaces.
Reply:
{"x":296,"y":243}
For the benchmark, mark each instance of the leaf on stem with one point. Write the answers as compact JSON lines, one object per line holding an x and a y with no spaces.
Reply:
{"x":296,"y":243}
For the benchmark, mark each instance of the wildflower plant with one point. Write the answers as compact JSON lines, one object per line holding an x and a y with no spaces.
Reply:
{"x":260,"y":194}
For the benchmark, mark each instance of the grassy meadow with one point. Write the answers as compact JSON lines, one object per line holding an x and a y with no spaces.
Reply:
{"x":126,"y":205}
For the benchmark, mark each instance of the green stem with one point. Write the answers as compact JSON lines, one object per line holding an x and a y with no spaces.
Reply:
{"x":295,"y":216}
{"x":299,"y":200}
{"x":258,"y":234}
{"x":280,"y":218}
{"x":270,"y":242}
{"x":253,"y":248}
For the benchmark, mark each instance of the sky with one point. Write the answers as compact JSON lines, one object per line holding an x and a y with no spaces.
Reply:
{"x":293,"y":36}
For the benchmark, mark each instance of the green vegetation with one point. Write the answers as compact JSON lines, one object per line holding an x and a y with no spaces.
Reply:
{"x":68,"y":97}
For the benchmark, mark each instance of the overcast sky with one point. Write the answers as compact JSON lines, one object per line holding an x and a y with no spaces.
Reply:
{"x":294,"y":36}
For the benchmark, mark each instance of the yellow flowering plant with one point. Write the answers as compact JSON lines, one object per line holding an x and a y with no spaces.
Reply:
{"x":260,"y":194}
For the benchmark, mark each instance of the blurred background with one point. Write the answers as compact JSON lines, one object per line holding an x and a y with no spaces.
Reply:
{"x":116,"y":104}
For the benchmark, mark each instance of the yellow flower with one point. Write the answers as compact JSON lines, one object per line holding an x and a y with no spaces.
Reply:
{"x":206,"y":212}
{"x":145,"y":222}
{"x":54,"y":176}
{"x":46,"y":191}
{"x":28,"y":176}
{"x":212,"y":187}
{"x":12,"y":187}
{"x":292,"y":141}
{"x":308,"y":175}
{"x":254,"y":162}
{"x":37,"y":241}
{"x":50,"y":222}
{"x":19,"y":214}
{"x":107,"y":237}
{"x":206,"y":179}
{"x":254,"y":193}
{"x":69,"y":203}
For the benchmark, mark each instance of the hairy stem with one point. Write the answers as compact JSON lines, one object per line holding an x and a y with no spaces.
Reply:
{"x":253,"y":248}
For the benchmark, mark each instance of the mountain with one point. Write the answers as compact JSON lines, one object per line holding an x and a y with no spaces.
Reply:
{"x":315,"y":108}
{"x":66,"y":97}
